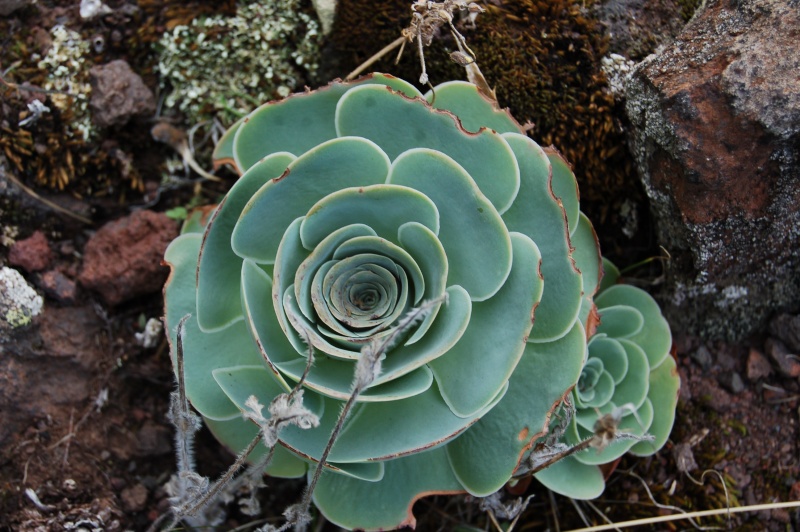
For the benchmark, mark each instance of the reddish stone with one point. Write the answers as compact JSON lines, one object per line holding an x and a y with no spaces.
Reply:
{"x":59,"y":286}
{"x":118,"y":94}
{"x":787,"y":362}
{"x":758,"y":367}
{"x":32,"y":254}
{"x":123,"y":259}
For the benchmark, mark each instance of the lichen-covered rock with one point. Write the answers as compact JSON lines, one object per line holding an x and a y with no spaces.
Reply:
{"x":118,"y":94}
{"x":18,"y":301}
{"x":122,"y":260}
{"x":716,"y":124}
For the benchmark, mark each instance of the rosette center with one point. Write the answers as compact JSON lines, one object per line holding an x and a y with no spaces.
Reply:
{"x":360,"y":295}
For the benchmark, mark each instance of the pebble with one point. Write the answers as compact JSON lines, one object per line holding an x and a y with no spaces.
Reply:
{"x":786,"y":362}
{"x":31,"y":254}
{"x":758,"y":366}
{"x":732,"y":382}
{"x":702,"y":356}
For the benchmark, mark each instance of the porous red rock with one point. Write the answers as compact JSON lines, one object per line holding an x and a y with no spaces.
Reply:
{"x":31,"y":254}
{"x":118,"y":94}
{"x":123,"y":259}
{"x":716,"y":136}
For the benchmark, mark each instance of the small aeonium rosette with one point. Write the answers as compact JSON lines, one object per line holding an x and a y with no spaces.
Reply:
{"x":357,"y":203}
{"x":629,"y":375}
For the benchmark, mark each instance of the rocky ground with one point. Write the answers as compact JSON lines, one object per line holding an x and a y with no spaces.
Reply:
{"x":84,"y":439}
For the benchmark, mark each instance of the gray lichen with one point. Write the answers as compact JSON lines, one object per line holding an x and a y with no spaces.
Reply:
{"x":224,"y":66}
{"x":19,"y":303}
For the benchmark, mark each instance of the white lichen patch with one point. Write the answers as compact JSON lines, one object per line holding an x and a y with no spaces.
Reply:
{"x":68,"y":72}
{"x":617,"y":69}
{"x":18,"y":301}
{"x":224,"y":67}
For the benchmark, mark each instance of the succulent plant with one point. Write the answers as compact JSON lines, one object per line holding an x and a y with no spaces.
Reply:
{"x":630,"y":375}
{"x":357,"y":203}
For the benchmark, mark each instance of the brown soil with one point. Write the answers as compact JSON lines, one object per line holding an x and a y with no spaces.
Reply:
{"x":83,"y":406}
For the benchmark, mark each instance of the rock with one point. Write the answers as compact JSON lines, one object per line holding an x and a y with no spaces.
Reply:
{"x":702,"y":356}
{"x":123,"y":259}
{"x":32,"y":254}
{"x":716,"y":137}
{"x":758,"y":366}
{"x":637,"y":27}
{"x":788,"y":363}
{"x":58,"y":286}
{"x":134,"y":498}
{"x":9,"y":6}
{"x":153,"y":439}
{"x":118,"y":94}
{"x":732,"y":382}
{"x":19,"y":303}
{"x":786,"y":328}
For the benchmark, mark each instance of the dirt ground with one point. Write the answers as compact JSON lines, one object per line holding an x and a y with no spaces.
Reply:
{"x":84,"y":439}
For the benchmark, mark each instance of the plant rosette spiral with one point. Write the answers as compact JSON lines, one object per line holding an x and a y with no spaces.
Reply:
{"x":357,"y":203}
{"x":630,"y":374}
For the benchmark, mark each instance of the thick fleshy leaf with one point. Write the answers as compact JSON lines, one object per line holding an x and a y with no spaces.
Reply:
{"x":485,"y":156}
{"x":612,"y":354}
{"x":602,"y":390}
{"x":634,"y":388}
{"x":422,"y":244}
{"x":236,"y":434}
{"x":655,"y":338}
{"x":565,"y":187}
{"x":448,"y":327}
{"x":382,"y":207}
{"x":181,"y":255}
{"x":333,"y":378}
{"x":474,"y":110}
{"x":219,"y":268}
{"x":620,"y":321}
{"x":637,"y":425}
{"x":299,"y":122}
{"x":611,"y":275}
{"x":327,"y":168}
{"x":485,"y":456}
{"x":294,"y":263}
{"x":387,"y":504}
{"x":664,"y":386}
{"x":471,"y":231}
{"x":379,"y":246}
{"x":384,"y":430}
{"x":573,"y":479}
{"x":223,"y":151}
{"x":537,"y":213}
{"x":472,"y":372}
{"x":242,"y":382}
{"x":587,"y":255}
{"x":202,"y":356}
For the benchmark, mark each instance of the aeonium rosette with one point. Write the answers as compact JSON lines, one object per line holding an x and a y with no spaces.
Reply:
{"x":357,"y":203}
{"x":629,"y":375}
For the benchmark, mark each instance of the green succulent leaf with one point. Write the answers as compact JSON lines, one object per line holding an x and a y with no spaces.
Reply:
{"x":656,"y":340}
{"x":345,"y":162}
{"x":573,"y":479}
{"x":237,"y":434}
{"x":299,"y":123}
{"x":386,"y":504}
{"x":219,"y":268}
{"x":384,"y":208}
{"x":479,"y":365}
{"x":663,"y":393}
{"x":510,"y":428}
{"x":472,"y":108}
{"x":485,"y":156}
{"x":537,"y":213}
{"x":480,"y":259}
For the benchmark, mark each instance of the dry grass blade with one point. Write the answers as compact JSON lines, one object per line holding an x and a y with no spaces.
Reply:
{"x":689,"y":515}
